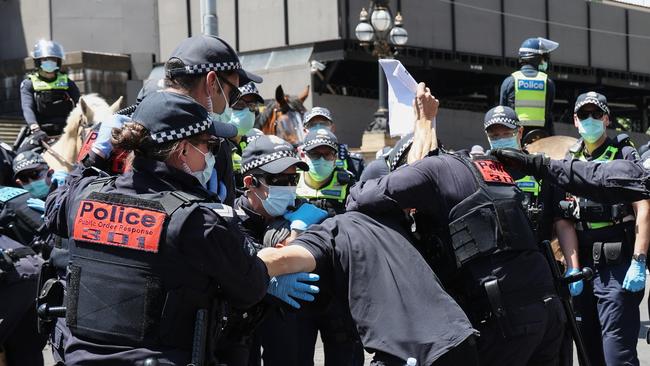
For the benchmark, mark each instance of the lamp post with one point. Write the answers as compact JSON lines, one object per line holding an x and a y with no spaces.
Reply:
{"x":377,"y":31}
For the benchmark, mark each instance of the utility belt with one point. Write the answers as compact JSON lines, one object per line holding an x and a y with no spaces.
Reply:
{"x":609,"y":246}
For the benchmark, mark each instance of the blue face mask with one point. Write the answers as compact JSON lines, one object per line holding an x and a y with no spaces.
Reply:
{"x":320,"y":169}
{"x":49,"y":66}
{"x":203,"y":175}
{"x":505,"y":143}
{"x":591,"y":129}
{"x":278,"y":199}
{"x":38,"y":188}
{"x":318,"y":126}
{"x":244,"y":120}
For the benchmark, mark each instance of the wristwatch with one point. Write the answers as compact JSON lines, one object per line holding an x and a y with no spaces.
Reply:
{"x":639,"y":257}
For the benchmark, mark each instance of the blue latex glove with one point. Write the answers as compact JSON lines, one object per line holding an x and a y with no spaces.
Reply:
{"x":59,"y":177}
{"x":36,"y":204}
{"x":290,"y":286}
{"x":216,"y":186}
{"x":575,"y":287}
{"x":635,"y":277}
{"x":103,"y":142}
{"x":307,"y":214}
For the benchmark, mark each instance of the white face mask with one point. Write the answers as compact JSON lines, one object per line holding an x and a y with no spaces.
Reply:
{"x":224,"y":116}
{"x":202,"y":175}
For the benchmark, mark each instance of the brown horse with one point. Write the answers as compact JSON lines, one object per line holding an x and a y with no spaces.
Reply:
{"x":283,"y":116}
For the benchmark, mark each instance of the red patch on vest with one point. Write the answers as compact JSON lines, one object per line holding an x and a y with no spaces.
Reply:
{"x":117,"y":225}
{"x":493,"y":172}
{"x":85,"y":149}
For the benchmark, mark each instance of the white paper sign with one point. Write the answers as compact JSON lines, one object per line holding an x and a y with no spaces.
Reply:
{"x":401,"y":93}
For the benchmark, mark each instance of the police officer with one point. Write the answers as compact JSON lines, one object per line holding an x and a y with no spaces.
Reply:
{"x":48,"y":95}
{"x":270,"y":177}
{"x":21,"y":208}
{"x":503,"y":130}
{"x":20,"y":343}
{"x":243,"y":117}
{"x":484,"y":239}
{"x":608,"y":241}
{"x":325,"y":184}
{"x":320,"y":117}
{"x":160,"y":235}
{"x":391,"y":295}
{"x":529,"y":91}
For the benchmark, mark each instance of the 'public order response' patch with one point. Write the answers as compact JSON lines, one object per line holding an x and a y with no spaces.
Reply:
{"x":493,"y":172}
{"x":118,"y":225}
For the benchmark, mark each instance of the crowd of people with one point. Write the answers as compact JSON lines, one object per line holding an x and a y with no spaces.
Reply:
{"x":185,"y":235}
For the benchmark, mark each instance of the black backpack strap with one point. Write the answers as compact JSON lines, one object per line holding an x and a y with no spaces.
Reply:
{"x":173,"y":200}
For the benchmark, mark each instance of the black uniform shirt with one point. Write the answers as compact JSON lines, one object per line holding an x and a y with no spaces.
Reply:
{"x":433,"y":186}
{"x":395,"y":300}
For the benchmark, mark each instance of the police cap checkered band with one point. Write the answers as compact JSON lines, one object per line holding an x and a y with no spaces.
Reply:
{"x":249,"y":88}
{"x":320,"y":137}
{"x":181,"y":133}
{"x":591,"y":98}
{"x":395,"y":158}
{"x":265,"y":159}
{"x":321,"y":142}
{"x":501,"y":115}
{"x":27,"y":160}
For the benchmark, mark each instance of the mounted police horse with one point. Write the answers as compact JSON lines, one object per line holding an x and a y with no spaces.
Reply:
{"x":91,"y":110}
{"x":283,"y":116}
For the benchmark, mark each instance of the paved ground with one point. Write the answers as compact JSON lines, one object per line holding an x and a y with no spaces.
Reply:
{"x":643,"y":348}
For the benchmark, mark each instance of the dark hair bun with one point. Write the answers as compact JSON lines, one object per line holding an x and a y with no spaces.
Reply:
{"x":131,"y":137}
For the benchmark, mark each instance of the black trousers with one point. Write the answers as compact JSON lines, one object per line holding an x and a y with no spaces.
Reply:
{"x":536,"y":334}
{"x":18,"y":331}
{"x":465,"y":354}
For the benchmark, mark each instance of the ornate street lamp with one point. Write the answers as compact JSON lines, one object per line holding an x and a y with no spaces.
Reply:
{"x":377,"y":31}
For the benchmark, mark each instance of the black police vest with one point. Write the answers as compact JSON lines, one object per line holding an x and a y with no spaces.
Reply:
{"x":492,"y":219}
{"x":52,"y":98}
{"x":129,"y":284}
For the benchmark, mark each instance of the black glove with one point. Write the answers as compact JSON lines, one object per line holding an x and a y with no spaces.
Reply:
{"x":529,"y":164}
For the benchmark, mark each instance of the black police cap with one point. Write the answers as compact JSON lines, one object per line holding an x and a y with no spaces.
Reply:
{"x":594,"y":98}
{"x":202,"y":54}
{"x":270,"y":154}
{"x":172,"y":116}
{"x":501,"y":115}
{"x":320,"y":137}
{"x":26,"y":161}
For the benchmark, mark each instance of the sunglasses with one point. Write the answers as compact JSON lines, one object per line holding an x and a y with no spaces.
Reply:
{"x":235,"y":94}
{"x":30,"y":175}
{"x":583,"y":114}
{"x":214,"y":144}
{"x":313,"y":155}
{"x":281,"y":179}
{"x":240,"y":105}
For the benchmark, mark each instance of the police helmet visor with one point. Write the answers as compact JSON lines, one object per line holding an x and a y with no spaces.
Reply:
{"x":45,"y":48}
{"x":538,"y":46}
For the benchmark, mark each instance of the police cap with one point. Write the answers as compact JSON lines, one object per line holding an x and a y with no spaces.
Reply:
{"x":501,"y":115}
{"x":270,"y":154}
{"x":26,"y":161}
{"x":202,"y":54}
{"x":318,"y":111}
{"x":591,"y":98}
{"x":172,"y":116}
{"x":320,"y":137}
{"x":250,"y":89}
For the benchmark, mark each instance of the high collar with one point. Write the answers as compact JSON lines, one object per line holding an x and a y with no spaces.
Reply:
{"x":599,"y":151}
{"x":149,"y":175}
